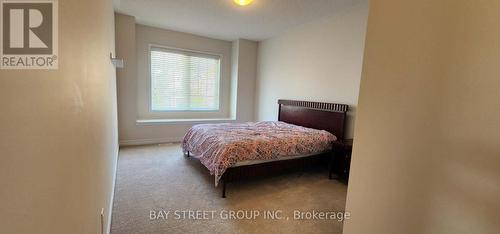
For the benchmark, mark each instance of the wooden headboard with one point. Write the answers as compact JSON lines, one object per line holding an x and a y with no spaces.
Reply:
{"x":318,"y":115}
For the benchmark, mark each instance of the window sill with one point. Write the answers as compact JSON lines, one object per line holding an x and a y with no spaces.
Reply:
{"x":181,"y":121}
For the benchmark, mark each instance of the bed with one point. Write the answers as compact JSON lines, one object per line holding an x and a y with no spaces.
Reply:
{"x":302,"y":135}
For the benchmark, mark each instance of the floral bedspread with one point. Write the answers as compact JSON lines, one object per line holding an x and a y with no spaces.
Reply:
{"x":220,"y":146}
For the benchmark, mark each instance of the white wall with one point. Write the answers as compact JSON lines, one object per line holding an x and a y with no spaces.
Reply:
{"x":426,"y":155}
{"x":58,"y":130}
{"x":132,"y":43}
{"x":244,"y":78}
{"x":318,"y":61}
{"x":126,"y":77}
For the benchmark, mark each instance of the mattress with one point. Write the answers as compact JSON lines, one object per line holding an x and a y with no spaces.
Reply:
{"x":221,"y":146}
{"x":279,"y":158}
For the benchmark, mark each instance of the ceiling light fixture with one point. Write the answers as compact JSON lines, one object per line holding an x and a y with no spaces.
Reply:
{"x":243,"y":2}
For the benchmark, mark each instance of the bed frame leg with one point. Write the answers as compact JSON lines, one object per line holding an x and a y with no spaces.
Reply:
{"x":224,"y":189}
{"x":187,"y":154}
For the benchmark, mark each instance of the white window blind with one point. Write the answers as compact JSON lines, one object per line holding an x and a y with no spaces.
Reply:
{"x":184,"y":80}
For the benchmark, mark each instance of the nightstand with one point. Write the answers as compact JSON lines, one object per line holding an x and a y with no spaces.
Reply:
{"x":340,"y":160}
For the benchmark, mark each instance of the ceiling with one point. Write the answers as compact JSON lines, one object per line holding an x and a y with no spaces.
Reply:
{"x":222,"y":19}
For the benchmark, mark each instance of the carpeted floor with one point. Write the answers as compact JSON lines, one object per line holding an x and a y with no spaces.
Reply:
{"x":159,"y":178}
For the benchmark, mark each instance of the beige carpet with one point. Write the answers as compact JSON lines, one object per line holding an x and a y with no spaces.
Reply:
{"x":159,"y":177}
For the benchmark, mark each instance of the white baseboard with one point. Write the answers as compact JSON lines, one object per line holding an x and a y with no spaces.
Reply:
{"x":112,"y":199}
{"x":150,"y":141}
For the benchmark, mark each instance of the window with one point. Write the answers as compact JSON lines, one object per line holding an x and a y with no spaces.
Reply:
{"x":184,"y":80}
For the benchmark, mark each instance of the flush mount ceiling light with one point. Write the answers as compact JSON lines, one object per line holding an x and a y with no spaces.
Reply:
{"x":243,"y":2}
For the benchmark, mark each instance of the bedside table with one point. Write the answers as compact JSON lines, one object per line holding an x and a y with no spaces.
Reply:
{"x":340,"y":160}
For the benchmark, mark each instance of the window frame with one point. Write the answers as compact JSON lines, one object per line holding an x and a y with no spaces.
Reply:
{"x":188,"y":52}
